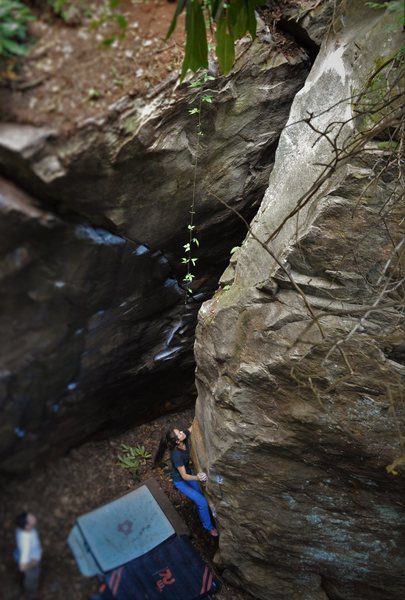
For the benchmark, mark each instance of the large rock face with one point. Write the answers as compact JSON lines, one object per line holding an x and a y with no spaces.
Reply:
{"x":300,"y":360}
{"x":94,"y":325}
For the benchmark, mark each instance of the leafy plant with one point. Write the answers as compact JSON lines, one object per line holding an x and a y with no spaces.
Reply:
{"x":109,"y":14}
{"x":227,"y":21}
{"x":133,"y":458}
{"x":14,"y":18}
{"x":93,"y":94}
{"x":58,"y":6}
{"x":393,"y":6}
{"x":193,"y":241}
{"x":388,"y":146}
{"x":72,"y":12}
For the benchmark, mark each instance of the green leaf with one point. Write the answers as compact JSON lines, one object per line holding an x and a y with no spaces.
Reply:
{"x":395,"y":7}
{"x":108,"y":41}
{"x":206,"y":98}
{"x":179,"y":9}
{"x":141,"y":452}
{"x":225,"y":47}
{"x":196,"y":55}
{"x":196,"y":242}
{"x":238,"y":18}
{"x":216,"y":9}
{"x":193,"y":111}
{"x":251,"y":16}
{"x":196,"y":84}
{"x":376,"y":5}
{"x":128,"y":463}
{"x":234,"y":249}
{"x":94,"y":23}
{"x":186,"y":247}
{"x":121,"y":21}
{"x":93,"y":94}
{"x":9,"y":29}
{"x":191,"y":227}
{"x":15,"y":48}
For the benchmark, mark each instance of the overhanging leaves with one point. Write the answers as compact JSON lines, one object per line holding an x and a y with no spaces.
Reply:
{"x":196,"y":56}
{"x":225,"y":47}
{"x":179,"y":9}
{"x":238,"y":18}
{"x":231,"y":19}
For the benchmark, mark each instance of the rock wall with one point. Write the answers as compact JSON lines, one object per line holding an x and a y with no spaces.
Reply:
{"x":300,"y":364}
{"x":95,"y":330}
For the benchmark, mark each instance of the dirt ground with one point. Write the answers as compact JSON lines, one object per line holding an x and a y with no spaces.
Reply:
{"x":81,"y":64}
{"x":71,"y":75}
{"x":82,"y":480}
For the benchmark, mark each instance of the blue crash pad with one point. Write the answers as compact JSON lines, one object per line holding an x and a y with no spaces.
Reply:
{"x":119,"y":532}
{"x":82,"y":553}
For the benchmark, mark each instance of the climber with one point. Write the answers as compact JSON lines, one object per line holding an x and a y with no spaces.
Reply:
{"x":28,"y":553}
{"x":177,"y":441}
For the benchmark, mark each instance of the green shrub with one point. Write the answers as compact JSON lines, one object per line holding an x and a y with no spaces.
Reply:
{"x":133,"y":458}
{"x":14,"y":18}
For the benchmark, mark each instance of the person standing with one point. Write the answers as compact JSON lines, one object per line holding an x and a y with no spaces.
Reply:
{"x":28,"y":553}
{"x":177,"y":442}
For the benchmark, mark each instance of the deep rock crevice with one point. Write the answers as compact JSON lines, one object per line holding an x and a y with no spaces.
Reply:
{"x":95,"y":288}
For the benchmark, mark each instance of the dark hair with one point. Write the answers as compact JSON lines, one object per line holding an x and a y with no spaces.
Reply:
{"x":21,"y":520}
{"x":167,"y":442}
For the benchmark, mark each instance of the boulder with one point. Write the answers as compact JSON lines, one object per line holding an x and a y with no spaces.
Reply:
{"x":300,"y":364}
{"x":81,"y":328}
{"x":310,"y":21}
{"x":96,"y":330}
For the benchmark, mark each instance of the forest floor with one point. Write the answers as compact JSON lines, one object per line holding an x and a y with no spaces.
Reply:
{"x":80,"y":65}
{"x":84,"y":479}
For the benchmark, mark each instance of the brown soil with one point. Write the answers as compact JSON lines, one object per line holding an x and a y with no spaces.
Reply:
{"x":69,"y":76}
{"x":76,"y":483}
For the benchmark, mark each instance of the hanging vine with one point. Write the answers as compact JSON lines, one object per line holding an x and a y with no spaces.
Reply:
{"x":189,"y":260}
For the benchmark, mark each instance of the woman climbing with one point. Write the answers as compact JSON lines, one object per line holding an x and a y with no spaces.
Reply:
{"x":177,"y":441}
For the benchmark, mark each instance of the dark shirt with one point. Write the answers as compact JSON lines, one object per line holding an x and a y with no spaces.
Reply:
{"x":181,"y":458}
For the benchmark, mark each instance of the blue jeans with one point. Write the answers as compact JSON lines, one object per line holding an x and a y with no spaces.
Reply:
{"x":192,"y":490}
